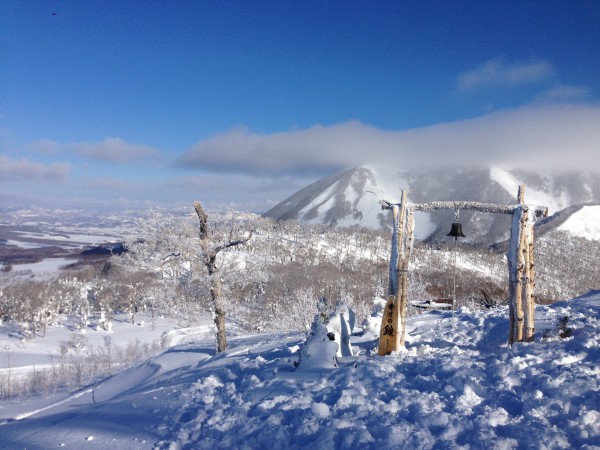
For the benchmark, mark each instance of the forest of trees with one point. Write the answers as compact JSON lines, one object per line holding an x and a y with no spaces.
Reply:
{"x":273,"y":280}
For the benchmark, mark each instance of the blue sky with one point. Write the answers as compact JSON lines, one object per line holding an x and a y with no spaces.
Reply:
{"x":123,"y":104}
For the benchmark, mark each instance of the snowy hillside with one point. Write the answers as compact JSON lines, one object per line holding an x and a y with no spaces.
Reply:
{"x":584,"y":223}
{"x":353,"y":196}
{"x":456,"y":386}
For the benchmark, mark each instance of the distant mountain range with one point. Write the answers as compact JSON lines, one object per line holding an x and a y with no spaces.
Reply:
{"x":353,"y":197}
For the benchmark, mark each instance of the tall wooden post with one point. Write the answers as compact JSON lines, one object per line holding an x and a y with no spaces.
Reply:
{"x":521,"y":274}
{"x":409,"y":237}
{"x":529,"y":322}
{"x":391,"y":334}
{"x":515,"y":273}
{"x":393,"y":270}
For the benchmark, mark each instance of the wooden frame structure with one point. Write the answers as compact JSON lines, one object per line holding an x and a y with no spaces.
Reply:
{"x":520,"y":265}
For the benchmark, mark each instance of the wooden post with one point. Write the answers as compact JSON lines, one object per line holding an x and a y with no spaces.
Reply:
{"x":389,"y":330}
{"x":515,"y":272}
{"x":389,"y":335}
{"x":529,"y":323}
{"x":409,"y":237}
{"x":393,"y":271}
{"x":402,"y":275}
{"x":520,"y":267}
{"x":521,"y":274}
{"x":513,"y":282}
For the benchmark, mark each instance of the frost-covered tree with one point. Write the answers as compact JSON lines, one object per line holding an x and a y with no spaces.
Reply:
{"x":157,"y":261}
{"x":182,"y":256}
{"x":210,"y":247}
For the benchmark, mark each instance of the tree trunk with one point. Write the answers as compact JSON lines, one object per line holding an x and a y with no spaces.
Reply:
{"x":211,"y":251}
{"x":216,"y":293}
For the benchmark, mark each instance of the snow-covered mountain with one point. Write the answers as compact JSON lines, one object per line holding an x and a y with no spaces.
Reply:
{"x":353,"y":196}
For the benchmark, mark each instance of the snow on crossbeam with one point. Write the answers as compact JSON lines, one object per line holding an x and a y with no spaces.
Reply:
{"x":539,"y":211}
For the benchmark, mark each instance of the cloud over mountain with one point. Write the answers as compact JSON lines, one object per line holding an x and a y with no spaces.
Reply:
{"x":550,"y":137}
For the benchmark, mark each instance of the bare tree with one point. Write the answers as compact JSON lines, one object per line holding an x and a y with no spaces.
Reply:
{"x":210,"y":250}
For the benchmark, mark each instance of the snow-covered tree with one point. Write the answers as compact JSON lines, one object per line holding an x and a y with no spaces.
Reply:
{"x":319,"y":351}
{"x":210,"y":247}
{"x":183,"y":258}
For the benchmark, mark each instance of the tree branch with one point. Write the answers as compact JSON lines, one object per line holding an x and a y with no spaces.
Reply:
{"x":203,"y":218}
{"x":232,"y":243}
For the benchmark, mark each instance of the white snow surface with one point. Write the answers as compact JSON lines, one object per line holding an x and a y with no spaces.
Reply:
{"x":457,"y":385}
{"x":44,"y":269}
{"x":584,"y":223}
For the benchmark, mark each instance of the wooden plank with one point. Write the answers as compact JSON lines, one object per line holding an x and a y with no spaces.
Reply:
{"x":388,"y":334}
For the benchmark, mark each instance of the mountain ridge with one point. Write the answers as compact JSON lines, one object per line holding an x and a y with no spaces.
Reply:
{"x":352,"y":197}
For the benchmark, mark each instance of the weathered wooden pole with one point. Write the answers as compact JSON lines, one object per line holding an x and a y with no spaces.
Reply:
{"x":514,"y":274}
{"x":529,"y":321}
{"x":409,"y":237}
{"x":393,"y":270}
{"x":390,"y":336}
{"x":521,"y":273}
{"x":389,"y":319}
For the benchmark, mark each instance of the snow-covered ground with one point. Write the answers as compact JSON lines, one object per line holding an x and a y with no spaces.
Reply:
{"x":19,"y":353}
{"x":45,"y":269}
{"x":457,"y":385}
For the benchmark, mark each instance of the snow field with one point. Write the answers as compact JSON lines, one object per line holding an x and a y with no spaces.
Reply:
{"x":457,"y":385}
{"x":462,"y":388}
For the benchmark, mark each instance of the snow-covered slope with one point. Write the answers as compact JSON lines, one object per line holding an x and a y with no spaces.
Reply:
{"x":353,"y":196}
{"x":344,"y":198}
{"x":456,"y":386}
{"x":584,"y":223}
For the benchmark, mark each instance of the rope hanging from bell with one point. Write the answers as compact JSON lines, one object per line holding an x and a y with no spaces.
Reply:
{"x":455,"y":232}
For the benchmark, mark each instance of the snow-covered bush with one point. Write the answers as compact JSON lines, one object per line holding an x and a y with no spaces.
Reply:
{"x":319,"y":351}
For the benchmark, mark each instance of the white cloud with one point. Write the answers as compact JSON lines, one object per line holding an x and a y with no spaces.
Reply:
{"x":111,"y":150}
{"x":26,"y":170}
{"x":548,"y":136}
{"x":499,"y":72}
{"x":562,"y":93}
{"x":315,"y":149}
{"x":116,"y":150}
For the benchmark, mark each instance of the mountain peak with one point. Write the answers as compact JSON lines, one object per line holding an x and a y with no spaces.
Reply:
{"x":353,"y":197}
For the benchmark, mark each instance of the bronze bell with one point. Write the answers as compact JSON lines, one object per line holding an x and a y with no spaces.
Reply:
{"x":456,"y":230}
